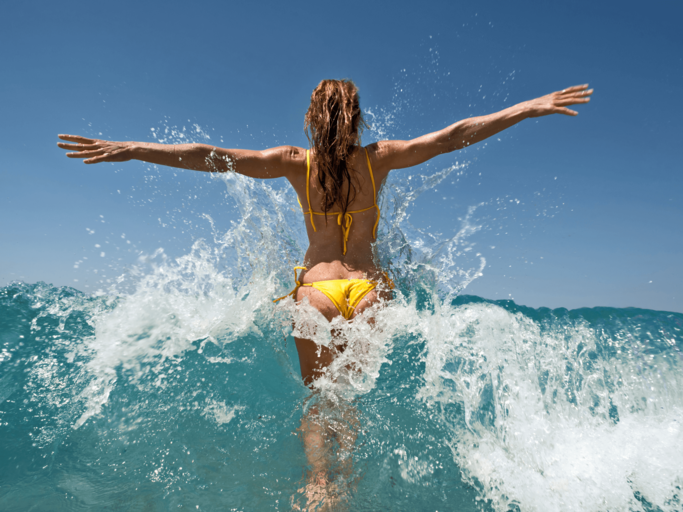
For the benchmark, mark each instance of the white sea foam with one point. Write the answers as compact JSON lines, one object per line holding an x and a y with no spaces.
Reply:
{"x":174,"y":306}
{"x":220,"y":412}
{"x":536,"y":428}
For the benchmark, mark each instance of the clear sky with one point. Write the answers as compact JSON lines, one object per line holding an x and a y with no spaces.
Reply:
{"x":600,"y":208}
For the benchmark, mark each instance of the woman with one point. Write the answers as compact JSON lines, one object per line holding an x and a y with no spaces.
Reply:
{"x":337,"y":182}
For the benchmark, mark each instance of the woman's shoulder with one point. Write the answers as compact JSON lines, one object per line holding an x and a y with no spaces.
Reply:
{"x":376,"y":153}
{"x":292,"y":159}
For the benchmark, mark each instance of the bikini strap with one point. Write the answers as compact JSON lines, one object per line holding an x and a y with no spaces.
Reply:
{"x":308,"y":194}
{"x":345,"y":222}
{"x":298,"y":284}
{"x":296,"y":279}
{"x":374,"y":192}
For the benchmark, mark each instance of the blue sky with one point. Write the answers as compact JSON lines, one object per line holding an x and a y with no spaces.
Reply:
{"x":601,"y":208}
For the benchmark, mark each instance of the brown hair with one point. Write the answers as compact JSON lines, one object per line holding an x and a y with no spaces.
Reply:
{"x":333,"y":125}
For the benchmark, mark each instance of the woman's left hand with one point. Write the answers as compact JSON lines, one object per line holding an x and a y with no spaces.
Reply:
{"x":95,"y":150}
{"x":557,"y":102}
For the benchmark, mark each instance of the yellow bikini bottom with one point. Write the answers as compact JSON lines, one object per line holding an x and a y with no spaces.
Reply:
{"x":345,"y":294}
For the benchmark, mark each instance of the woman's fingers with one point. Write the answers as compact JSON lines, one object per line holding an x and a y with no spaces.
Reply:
{"x":582,"y":94}
{"x":96,"y":160}
{"x":572,"y":96}
{"x":76,"y":147}
{"x":77,"y":138}
{"x":86,"y":154}
{"x":578,"y":94}
{"x":575,"y":88}
{"x":571,"y":101}
{"x":566,"y":111}
{"x":106,"y":157}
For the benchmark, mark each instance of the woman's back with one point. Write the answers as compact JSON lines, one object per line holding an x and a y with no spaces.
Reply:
{"x":342,"y":241}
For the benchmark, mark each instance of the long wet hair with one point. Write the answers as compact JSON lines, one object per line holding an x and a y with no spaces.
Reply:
{"x":333,"y":125}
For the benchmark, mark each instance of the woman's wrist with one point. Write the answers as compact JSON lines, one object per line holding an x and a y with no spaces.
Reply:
{"x":145,"y":151}
{"x":150,"y":152}
{"x":526,"y":109}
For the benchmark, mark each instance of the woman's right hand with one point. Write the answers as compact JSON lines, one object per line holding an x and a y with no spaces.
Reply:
{"x":95,"y":150}
{"x":557,"y":102}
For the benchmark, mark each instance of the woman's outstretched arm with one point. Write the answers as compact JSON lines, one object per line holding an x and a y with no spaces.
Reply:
{"x":397,"y":154}
{"x":269,"y":163}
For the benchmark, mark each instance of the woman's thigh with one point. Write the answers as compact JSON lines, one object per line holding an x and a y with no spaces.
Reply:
{"x":314,"y":358}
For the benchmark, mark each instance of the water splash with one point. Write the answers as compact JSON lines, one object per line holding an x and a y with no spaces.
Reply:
{"x":559,"y":414}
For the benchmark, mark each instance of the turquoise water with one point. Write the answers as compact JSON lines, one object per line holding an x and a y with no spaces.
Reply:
{"x":177,"y":384}
{"x":473,"y":405}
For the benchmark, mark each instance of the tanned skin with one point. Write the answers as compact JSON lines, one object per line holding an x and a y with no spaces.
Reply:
{"x":324,"y":258}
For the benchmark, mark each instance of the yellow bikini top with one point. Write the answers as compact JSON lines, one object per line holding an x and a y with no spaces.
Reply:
{"x":344,"y":220}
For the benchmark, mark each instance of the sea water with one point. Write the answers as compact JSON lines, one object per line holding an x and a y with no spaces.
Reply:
{"x":177,"y":385}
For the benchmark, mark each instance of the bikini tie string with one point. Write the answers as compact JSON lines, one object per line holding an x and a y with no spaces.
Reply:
{"x":346,"y":226}
{"x":299,"y":284}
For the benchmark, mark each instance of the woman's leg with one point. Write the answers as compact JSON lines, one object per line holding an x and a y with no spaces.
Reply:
{"x":315,"y":433}
{"x":328,"y":433}
{"x":317,"y":447}
{"x":329,"y":430}
{"x":314,"y":358}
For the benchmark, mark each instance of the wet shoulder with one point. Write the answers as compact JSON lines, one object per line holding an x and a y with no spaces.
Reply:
{"x":291,"y":159}
{"x":375,"y":153}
